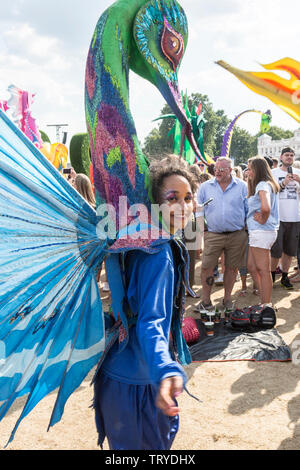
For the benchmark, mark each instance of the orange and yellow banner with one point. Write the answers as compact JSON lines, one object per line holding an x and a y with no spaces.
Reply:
{"x":284,"y":92}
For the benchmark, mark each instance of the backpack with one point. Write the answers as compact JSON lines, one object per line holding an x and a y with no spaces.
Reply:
{"x":256,"y":315}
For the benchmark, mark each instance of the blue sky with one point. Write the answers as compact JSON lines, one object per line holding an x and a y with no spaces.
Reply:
{"x":44,"y":44}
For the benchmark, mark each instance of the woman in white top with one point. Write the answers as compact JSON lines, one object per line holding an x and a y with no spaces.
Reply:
{"x":262,"y":222}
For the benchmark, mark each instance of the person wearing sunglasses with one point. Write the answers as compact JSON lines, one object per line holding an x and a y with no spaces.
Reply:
{"x":225,"y":218}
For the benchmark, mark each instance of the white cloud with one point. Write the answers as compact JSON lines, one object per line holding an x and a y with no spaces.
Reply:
{"x":22,"y":40}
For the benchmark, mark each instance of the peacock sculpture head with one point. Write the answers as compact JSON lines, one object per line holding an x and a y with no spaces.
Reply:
{"x":160,"y":34}
{"x":148,"y":37}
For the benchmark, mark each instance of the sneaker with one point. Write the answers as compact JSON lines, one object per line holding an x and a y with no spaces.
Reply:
{"x":286,"y":283}
{"x":219,"y":280}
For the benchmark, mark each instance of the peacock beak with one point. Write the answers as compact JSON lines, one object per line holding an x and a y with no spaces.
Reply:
{"x":171,"y":93}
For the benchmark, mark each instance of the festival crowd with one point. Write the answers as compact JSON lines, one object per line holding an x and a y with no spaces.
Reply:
{"x":249,"y":216}
{"x":250,"y":224}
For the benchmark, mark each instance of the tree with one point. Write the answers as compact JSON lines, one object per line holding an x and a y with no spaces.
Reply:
{"x":222,"y":124}
{"x":277,"y":133}
{"x":159,"y":141}
{"x":243,"y":146}
{"x":80,"y":153}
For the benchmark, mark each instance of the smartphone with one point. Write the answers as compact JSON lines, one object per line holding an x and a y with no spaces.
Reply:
{"x":207,"y":202}
{"x":290,"y":170}
{"x":67,"y":171}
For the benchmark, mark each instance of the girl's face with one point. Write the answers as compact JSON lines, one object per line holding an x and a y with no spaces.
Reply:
{"x":250,"y":172}
{"x":177,"y":202}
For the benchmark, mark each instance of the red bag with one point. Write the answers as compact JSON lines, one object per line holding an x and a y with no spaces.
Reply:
{"x":190,"y":331}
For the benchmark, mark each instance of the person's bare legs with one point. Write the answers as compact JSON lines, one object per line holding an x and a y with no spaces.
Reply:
{"x":251,"y":266}
{"x":274,"y":263}
{"x":244,"y":282}
{"x":262,"y":262}
{"x":207,"y":280}
{"x":285,"y":262}
{"x":229,"y":280}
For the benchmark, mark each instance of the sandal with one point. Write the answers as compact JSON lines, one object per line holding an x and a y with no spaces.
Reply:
{"x":255,"y":292}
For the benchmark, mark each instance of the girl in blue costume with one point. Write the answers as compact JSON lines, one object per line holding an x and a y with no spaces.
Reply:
{"x":136,"y":389}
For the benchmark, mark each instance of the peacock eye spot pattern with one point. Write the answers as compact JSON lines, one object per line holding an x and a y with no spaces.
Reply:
{"x":172,"y":44}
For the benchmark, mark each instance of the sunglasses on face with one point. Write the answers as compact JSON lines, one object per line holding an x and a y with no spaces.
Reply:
{"x":221,"y":170}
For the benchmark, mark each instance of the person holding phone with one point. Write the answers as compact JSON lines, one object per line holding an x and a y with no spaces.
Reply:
{"x":286,"y":244}
{"x":69,"y":174}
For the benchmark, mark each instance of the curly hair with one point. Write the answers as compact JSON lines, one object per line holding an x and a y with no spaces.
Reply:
{"x":168,"y":166}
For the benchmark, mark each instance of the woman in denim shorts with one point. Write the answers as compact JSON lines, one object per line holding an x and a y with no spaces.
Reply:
{"x":263,"y":223}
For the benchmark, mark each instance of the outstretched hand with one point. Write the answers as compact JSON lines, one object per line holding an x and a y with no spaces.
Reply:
{"x":169,"y":389}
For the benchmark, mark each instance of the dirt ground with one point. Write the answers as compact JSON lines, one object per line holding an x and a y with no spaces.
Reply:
{"x":245,"y":405}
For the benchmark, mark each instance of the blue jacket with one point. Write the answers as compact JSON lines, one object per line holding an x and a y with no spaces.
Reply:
{"x":153,"y":284}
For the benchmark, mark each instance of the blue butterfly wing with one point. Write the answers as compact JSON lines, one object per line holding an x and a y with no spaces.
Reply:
{"x":51,"y":319}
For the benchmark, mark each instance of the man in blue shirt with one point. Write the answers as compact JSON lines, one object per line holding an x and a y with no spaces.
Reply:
{"x":225,"y":218}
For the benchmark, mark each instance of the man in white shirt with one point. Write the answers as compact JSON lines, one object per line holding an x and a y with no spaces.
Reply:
{"x":285,"y":247}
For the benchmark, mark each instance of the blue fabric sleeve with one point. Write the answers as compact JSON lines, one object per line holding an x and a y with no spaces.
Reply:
{"x":155,"y":294}
{"x":263,"y":186}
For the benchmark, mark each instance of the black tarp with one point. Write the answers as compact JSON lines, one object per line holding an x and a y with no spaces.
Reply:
{"x":233,"y":344}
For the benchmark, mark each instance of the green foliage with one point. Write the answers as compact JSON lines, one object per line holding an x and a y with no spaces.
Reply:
{"x":44,"y":137}
{"x":277,"y":133}
{"x":80,"y":153}
{"x":160,"y":141}
{"x":243,"y":146}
